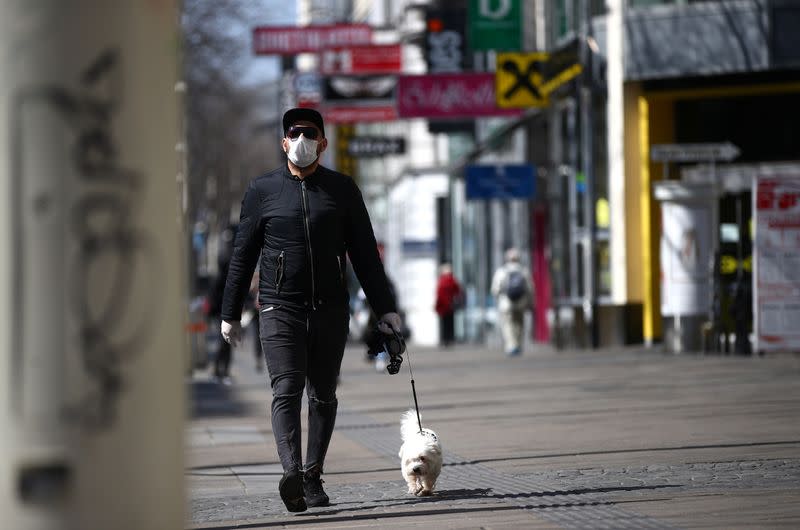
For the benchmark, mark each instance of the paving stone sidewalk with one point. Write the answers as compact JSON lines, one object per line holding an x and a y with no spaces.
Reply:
{"x":626,"y":438}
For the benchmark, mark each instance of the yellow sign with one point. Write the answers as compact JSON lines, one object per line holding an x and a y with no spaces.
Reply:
{"x":520,"y":79}
{"x":602,"y":213}
{"x":729,"y":264}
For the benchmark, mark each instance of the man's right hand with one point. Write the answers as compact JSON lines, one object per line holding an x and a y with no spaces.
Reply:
{"x":231,"y":331}
{"x":390,"y":323}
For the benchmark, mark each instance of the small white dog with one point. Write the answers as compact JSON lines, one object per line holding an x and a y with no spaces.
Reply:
{"x":420,"y":456}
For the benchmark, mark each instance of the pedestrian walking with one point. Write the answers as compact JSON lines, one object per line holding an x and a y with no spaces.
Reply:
{"x":304,"y":219}
{"x":224,"y":354}
{"x":449,"y":299}
{"x":250,"y":313}
{"x":513,"y":290}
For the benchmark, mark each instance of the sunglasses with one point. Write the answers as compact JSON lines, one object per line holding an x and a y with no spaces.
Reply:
{"x":295,"y":131}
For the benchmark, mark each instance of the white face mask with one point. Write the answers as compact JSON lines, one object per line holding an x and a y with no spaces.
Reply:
{"x":302,"y":151}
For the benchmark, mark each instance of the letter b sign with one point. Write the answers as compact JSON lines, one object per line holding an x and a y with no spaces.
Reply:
{"x":495,"y":25}
{"x":494,"y":9}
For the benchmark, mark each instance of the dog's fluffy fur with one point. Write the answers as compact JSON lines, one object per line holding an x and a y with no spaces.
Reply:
{"x":420,"y":456}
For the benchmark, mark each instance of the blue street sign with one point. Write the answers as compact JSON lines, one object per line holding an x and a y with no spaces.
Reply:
{"x":509,"y":181}
{"x":413,"y":246}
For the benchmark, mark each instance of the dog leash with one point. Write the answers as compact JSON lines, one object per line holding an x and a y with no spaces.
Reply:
{"x":411,"y":374}
{"x":413,"y":388}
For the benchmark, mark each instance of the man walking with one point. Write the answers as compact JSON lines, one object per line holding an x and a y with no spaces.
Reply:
{"x":302,"y":219}
{"x":512,"y":287}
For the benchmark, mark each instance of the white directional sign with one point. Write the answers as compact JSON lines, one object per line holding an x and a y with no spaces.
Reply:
{"x":363,"y":146}
{"x":693,"y":152}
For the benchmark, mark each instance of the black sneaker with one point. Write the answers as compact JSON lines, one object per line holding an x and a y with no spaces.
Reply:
{"x":291,"y":490}
{"x":312,"y":486}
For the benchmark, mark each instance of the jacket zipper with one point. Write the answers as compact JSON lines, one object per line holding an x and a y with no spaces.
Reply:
{"x":306,"y":223}
{"x":339,"y":268}
{"x":279,"y":272}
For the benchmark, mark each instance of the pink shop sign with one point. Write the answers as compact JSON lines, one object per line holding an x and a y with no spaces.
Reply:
{"x":448,"y":96}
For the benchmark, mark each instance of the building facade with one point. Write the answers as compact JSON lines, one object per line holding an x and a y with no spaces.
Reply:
{"x":723,"y":72}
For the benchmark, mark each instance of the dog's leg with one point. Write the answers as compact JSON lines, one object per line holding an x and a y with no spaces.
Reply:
{"x":426,"y":486}
{"x":411,"y":480}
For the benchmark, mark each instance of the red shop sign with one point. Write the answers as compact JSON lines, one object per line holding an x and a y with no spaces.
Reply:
{"x":355,"y":114}
{"x":289,"y":40}
{"x":385,"y":59}
{"x":464,"y":95}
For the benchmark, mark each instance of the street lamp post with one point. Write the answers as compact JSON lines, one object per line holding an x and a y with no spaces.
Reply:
{"x":587,"y":163}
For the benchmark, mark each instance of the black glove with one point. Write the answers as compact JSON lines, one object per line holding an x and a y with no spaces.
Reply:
{"x":393,"y":344}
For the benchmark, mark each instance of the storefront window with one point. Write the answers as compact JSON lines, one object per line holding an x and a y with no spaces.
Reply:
{"x":564,"y":20}
{"x":567,"y":13}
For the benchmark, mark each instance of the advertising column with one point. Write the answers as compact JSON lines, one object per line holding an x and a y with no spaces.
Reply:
{"x":777,"y":262}
{"x":91,"y":318}
{"x":687,"y":250}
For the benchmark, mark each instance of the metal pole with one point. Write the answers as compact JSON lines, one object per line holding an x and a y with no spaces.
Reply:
{"x":572,"y":201}
{"x":587,"y":134}
{"x":716,"y":293}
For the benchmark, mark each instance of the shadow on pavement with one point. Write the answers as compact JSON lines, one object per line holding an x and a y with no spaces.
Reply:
{"x":307,"y":518}
{"x":198,"y":469}
{"x":622,"y":451}
{"x":442,"y":496}
{"x":210,"y":399}
{"x":580,"y":491}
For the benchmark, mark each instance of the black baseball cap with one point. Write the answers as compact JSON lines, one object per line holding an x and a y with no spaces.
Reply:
{"x":292,"y":116}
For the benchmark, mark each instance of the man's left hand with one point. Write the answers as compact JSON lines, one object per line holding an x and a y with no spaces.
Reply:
{"x":390,"y":322}
{"x":231,"y":331}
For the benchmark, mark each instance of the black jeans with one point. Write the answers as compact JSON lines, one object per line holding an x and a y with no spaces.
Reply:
{"x":447,"y":333}
{"x":222,"y":363}
{"x":303,"y":349}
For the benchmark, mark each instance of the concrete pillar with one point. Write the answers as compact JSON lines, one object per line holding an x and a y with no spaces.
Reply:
{"x":92,"y":348}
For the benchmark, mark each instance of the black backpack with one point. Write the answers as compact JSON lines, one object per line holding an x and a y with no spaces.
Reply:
{"x":516,"y":287}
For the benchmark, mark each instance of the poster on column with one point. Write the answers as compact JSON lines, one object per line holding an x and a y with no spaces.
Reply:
{"x":685,"y":259}
{"x":777,"y":263}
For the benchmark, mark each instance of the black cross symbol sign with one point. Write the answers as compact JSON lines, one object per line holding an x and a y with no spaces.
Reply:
{"x":523,"y":79}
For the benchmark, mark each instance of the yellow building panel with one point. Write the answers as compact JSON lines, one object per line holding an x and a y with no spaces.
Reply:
{"x":633,"y":190}
{"x":649,"y":120}
{"x":649,"y":309}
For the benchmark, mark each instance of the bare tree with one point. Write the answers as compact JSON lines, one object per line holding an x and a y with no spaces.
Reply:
{"x":220,"y":113}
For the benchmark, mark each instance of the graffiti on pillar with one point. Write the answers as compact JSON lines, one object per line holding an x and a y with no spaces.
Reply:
{"x":108,"y":254}
{"x":102,"y":221}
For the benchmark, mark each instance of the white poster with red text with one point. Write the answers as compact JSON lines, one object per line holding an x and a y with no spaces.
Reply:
{"x":777,"y":263}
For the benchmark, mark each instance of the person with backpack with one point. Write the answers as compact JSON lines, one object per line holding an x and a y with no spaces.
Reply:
{"x":513,"y":290}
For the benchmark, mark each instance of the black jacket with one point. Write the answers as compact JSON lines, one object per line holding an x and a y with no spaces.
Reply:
{"x":302,"y":230}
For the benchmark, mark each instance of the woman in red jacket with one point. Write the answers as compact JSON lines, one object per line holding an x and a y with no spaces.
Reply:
{"x":449,"y":298}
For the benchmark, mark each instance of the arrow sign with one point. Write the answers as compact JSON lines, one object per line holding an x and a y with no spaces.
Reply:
{"x":693,"y":152}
